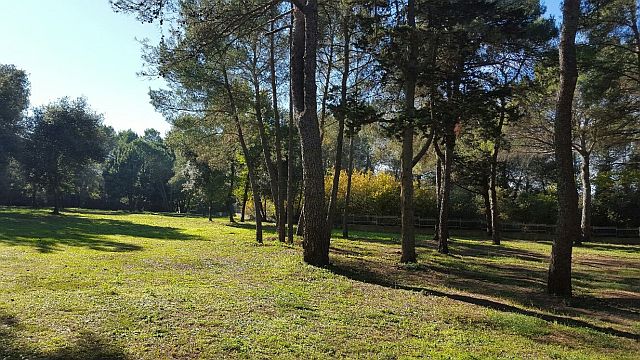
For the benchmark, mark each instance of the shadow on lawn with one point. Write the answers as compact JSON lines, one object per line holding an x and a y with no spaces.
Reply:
{"x":372,"y":278}
{"x":267,"y":228}
{"x":88,"y":345}
{"x":490,"y":272}
{"x":48,"y":232}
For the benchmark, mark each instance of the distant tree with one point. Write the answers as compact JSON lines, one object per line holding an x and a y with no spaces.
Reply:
{"x":138,"y":171}
{"x":121,"y":171}
{"x":211,"y":156}
{"x":62,"y":138}
{"x":14,"y":100}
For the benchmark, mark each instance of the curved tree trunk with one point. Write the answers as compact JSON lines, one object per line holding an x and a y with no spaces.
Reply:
{"x":266,"y":148}
{"x":585,"y":175}
{"x":303,"y":67}
{"x":559,"y":278}
{"x":245,"y":150}
{"x":341,"y":118}
{"x":325,"y":87}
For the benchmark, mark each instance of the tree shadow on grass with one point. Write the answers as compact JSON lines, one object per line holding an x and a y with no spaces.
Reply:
{"x":372,"y":278}
{"x":49,"y":233}
{"x":88,"y":346}
{"x":625,"y":248}
{"x":266,"y":227}
{"x":489,"y":274}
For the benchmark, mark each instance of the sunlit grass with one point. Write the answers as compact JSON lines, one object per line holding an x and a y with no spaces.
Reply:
{"x":113,"y":285}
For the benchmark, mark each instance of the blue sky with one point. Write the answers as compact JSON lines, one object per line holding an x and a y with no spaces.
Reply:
{"x":82,"y":48}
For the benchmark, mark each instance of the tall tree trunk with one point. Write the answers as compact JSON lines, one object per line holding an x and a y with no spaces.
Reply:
{"x":303,"y":67}
{"x":264,"y":140}
{"x":291,"y":196}
{"x":209,"y":211}
{"x":56,"y":201}
{"x":559,"y":279}
{"x":264,"y":207}
{"x":279,"y":200}
{"x":244,"y":199}
{"x":406,"y":190}
{"x":245,"y":150}
{"x":347,"y":199}
{"x":341,"y":118}
{"x":443,"y":222}
{"x":230,"y":201}
{"x":487,"y":205}
{"x":636,"y":34}
{"x":300,"y":226}
{"x":439,"y":157}
{"x":585,"y":174}
{"x":493,"y":200}
{"x":326,"y":86}
{"x":493,"y":175}
{"x":34,"y":194}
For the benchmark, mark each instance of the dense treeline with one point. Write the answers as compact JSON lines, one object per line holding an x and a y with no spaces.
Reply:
{"x":126,"y":171}
{"x":304,"y":111}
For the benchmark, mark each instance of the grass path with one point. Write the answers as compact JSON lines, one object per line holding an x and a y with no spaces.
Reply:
{"x":92,"y":285}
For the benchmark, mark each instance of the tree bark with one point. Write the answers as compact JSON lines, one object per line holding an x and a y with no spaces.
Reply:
{"x":443,"y":222}
{"x":341,"y":119}
{"x":56,"y":201}
{"x":559,"y":277}
{"x":493,"y":201}
{"x":487,"y":206}
{"x":636,"y":34}
{"x":439,"y":157}
{"x":585,"y":175}
{"x":325,"y":88}
{"x":276,"y":119}
{"x":250,"y":167}
{"x":300,"y":225}
{"x":347,"y":199}
{"x":244,"y":199}
{"x":266,"y":148}
{"x":406,"y":182}
{"x":230,"y":206}
{"x":264,"y":207}
{"x":493,"y":174}
{"x":303,"y":67}
{"x":291,"y":196}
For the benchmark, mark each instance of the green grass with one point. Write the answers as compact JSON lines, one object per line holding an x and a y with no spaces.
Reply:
{"x":103,"y":285}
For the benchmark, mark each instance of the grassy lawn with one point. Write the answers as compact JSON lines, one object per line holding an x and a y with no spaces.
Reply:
{"x":94,"y":285}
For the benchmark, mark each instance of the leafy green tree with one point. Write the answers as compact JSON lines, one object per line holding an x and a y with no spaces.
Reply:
{"x":211,"y":158}
{"x":138,"y":171}
{"x":62,"y":138}
{"x":14,"y":100}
